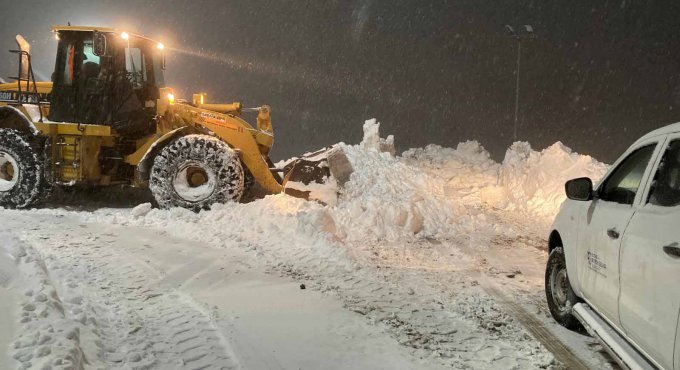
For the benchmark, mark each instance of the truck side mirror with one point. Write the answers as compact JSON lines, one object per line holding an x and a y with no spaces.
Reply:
{"x":579,"y":189}
{"x":99,"y":43}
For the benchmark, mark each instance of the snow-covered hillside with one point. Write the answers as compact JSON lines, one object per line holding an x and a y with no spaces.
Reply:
{"x":421,"y":248}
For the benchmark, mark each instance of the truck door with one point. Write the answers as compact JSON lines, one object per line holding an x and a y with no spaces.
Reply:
{"x":650,"y":263}
{"x":606,"y":218}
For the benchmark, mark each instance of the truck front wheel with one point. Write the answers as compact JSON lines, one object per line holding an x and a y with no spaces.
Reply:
{"x":196,"y":171}
{"x":561,"y":297}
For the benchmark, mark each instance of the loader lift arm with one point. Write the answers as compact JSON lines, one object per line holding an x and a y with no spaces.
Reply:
{"x":223,"y":121}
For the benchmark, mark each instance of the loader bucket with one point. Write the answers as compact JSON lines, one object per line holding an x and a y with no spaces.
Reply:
{"x":318,"y":175}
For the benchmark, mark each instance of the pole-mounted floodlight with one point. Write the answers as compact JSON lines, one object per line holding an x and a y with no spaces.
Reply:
{"x":527,"y":34}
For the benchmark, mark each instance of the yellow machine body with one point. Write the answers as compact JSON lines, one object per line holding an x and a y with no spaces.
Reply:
{"x":95,"y":154}
{"x":76,"y":147}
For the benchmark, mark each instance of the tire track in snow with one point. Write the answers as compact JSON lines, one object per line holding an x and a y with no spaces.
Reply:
{"x":536,"y":328}
{"x":139,"y":324}
{"x":459,"y":327}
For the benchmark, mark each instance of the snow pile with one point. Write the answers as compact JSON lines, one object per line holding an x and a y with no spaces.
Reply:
{"x":442,"y":192}
{"x":467,"y":168}
{"x":533,"y":181}
{"x":391,"y":198}
{"x":372,"y":139}
{"x":383,"y":198}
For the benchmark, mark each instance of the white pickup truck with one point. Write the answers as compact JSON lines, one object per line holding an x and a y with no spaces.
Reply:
{"x":614,"y":260}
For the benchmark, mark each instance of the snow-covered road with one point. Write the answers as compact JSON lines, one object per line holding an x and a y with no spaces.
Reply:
{"x":102,"y":296}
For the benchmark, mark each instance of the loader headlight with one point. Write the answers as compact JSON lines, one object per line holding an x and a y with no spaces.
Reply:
{"x":171,"y":98}
{"x":124,"y":36}
{"x":160,"y":46}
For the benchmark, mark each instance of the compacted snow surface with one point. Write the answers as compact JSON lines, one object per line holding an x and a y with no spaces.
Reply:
{"x":431,"y":259}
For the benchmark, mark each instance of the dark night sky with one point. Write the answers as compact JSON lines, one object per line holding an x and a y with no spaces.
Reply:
{"x":599,"y":75}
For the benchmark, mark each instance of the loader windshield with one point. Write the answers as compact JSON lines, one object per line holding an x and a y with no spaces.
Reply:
{"x":143,"y":63}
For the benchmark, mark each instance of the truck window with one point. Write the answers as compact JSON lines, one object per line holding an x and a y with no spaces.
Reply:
{"x":622,"y":184}
{"x":665,"y":189}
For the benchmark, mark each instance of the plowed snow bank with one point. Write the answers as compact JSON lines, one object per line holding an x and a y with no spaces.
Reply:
{"x":441,"y":192}
{"x":533,"y":181}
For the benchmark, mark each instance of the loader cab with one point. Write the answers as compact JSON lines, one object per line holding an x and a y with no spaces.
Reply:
{"x":106,"y":77}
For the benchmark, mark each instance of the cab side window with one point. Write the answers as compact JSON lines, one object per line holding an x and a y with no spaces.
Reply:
{"x":69,"y":54}
{"x":622,"y":184}
{"x":665,"y":189}
{"x":91,"y":63}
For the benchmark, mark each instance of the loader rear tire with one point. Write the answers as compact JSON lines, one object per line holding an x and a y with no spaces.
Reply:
{"x":195,"y":172}
{"x":22,"y":171}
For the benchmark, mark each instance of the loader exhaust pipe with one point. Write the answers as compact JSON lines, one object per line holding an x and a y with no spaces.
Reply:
{"x":25,"y":47}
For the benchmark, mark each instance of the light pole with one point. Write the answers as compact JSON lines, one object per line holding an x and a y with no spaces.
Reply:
{"x":528,"y":34}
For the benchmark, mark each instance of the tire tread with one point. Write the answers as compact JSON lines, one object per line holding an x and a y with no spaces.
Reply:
{"x":210,"y":151}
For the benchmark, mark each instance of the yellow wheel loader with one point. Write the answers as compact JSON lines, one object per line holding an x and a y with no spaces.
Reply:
{"x":107,"y":118}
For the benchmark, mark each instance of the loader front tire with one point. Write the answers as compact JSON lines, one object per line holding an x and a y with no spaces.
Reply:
{"x":195,"y":172}
{"x":22,"y":177}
